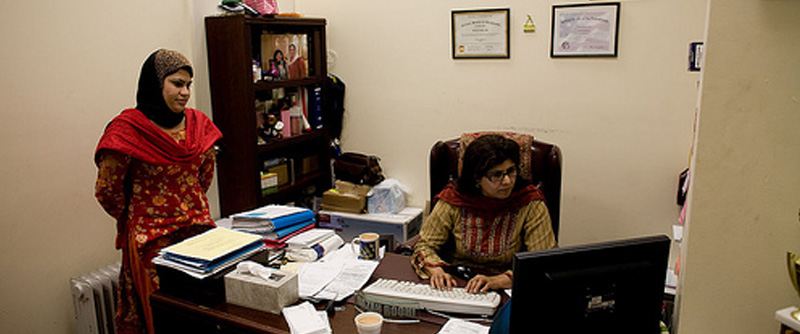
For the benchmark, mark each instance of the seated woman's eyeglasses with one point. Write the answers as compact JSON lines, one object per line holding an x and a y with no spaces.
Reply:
{"x":497,"y":176}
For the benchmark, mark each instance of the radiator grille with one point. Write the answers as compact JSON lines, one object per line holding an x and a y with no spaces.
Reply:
{"x":94,"y":297}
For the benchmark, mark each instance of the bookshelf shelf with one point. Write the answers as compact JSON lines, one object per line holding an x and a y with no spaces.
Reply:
{"x":234,"y":42}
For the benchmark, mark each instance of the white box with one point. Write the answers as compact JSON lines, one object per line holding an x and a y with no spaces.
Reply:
{"x":403,"y":226}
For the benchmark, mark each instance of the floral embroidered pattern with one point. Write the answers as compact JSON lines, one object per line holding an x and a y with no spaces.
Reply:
{"x":483,"y":238}
{"x":155,"y":205}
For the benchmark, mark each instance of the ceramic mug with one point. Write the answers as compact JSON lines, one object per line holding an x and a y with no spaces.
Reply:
{"x":368,"y":245}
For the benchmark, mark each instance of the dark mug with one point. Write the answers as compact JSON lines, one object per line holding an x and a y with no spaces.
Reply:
{"x":368,"y":245}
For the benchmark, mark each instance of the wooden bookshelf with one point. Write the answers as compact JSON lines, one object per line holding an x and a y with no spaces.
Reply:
{"x":233,"y":43}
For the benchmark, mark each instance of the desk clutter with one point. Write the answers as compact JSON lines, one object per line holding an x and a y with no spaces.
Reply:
{"x":174,"y":314}
{"x":265,"y":259}
{"x":278,"y":260}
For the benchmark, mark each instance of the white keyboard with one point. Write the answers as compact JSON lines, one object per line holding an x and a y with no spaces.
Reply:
{"x":456,"y":300}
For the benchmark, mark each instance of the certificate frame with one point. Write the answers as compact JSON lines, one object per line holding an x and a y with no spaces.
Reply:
{"x":480,"y":33}
{"x":585,"y":30}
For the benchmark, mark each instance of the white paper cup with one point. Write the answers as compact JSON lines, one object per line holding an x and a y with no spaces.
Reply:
{"x":369,"y":323}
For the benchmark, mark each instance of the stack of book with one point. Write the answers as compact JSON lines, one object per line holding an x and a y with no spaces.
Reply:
{"x":275,"y":223}
{"x":211,"y":252}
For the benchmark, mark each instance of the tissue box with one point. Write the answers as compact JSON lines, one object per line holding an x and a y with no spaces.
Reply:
{"x":255,"y":292}
{"x":387,"y":197}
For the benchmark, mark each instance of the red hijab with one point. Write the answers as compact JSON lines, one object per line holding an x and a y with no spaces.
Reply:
{"x":486,"y":207}
{"x":132,"y":133}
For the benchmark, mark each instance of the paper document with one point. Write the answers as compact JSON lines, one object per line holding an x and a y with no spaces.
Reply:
{"x":458,"y":326}
{"x":212,"y":244}
{"x":309,"y":238}
{"x":305,"y":319}
{"x":353,"y":276}
{"x":269,"y":212}
{"x":342,"y":272}
{"x":314,"y":276}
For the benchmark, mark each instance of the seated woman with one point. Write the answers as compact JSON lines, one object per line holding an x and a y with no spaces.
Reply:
{"x":481,"y":220}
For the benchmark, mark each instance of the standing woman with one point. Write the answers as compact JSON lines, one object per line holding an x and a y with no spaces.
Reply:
{"x":155,"y":164}
{"x":481,"y":220}
{"x":297,"y":66}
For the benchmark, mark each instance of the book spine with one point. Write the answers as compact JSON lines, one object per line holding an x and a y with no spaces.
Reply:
{"x":315,"y":108}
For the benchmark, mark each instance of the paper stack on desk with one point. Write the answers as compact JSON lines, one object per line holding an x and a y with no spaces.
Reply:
{"x":274,"y":222}
{"x":312,"y":245}
{"x":305,"y":319}
{"x":210,"y":252}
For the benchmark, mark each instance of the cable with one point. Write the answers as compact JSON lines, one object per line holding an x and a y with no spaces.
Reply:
{"x":439,"y":314}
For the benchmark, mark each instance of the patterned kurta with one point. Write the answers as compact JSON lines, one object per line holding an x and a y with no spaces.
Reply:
{"x":155,"y":205}
{"x":453,"y":236}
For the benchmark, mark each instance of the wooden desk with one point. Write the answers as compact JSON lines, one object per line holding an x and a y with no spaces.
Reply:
{"x":174,"y":315}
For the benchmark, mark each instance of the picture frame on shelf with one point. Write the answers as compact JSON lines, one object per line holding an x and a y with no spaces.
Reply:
{"x":284,"y":56}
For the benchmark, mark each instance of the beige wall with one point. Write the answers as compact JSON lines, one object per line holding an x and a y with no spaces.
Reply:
{"x":624,"y":124}
{"x":67,"y":68}
{"x":744,"y":202}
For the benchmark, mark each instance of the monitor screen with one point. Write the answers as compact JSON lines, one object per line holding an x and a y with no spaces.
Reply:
{"x":606,"y":287}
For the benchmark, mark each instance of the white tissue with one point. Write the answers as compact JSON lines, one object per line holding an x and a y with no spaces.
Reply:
{"x":255,"y":269}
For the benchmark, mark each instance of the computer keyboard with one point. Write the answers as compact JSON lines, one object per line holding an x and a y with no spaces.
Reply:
{"x":456,"y":300}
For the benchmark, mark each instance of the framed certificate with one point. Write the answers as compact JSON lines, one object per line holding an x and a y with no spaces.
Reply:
{"x":585,"y":30}
{"x":480,"y":33}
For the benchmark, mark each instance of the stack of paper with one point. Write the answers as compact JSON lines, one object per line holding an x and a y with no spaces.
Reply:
{"x":305,"y":319}
{"x":309,"y":238}
{"x":208,"y":253}
{"x":274,"y":222}
{"x":312,"y":245}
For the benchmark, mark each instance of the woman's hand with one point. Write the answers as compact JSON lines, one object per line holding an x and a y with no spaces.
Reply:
{"x":440,"y":279}
{"x":482,"y":283}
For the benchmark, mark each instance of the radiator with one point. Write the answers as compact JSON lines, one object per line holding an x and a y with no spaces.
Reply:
{"x":94,"y":297}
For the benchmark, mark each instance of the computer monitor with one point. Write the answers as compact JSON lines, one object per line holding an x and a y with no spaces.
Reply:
{"x":607,"y":287}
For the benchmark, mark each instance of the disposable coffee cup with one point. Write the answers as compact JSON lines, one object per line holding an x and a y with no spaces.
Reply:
{"x":369,"y":323}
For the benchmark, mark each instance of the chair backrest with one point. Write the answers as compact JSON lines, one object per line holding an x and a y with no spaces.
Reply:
{"x":545,"y":169}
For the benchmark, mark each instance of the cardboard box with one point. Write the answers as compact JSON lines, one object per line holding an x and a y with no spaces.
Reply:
{"x":336,"y":201}
{"x":266,"y":295}
{"x":346,"y":197}
{"x":280,"y":166}
{"x":308,"y":165}
{"x":352,"y":188}
{"x":403,"y":226}
{"x":282,"y":170}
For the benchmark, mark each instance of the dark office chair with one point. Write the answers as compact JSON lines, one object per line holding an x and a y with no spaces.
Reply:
{"x":545,"y":169}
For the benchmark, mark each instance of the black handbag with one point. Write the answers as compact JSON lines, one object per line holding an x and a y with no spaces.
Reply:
{"x":358,"y":168}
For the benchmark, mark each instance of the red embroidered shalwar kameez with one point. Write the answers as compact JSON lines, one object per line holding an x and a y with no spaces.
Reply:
{"x":154,"y":184}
